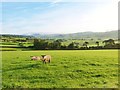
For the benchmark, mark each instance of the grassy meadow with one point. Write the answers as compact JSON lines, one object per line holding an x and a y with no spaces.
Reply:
{"x":78,"y":35}
{"x":68,"y":69}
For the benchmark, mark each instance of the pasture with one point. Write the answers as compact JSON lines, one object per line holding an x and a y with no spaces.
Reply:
{"x":68,"y":69}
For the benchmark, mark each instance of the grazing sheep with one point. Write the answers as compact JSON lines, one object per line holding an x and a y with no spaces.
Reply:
{"x":38,"y":57}
{"x":46,"y":58}
{"x":35,"y":58}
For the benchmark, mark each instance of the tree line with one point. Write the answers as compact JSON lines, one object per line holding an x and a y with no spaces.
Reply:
{"x":57,"y":45}
{"x":52,"y":44}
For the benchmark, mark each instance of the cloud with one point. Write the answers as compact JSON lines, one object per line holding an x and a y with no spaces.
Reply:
{"x":56,"y":1}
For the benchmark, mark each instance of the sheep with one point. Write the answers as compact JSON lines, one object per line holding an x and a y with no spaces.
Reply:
{"x":35,"y":58}
{"x":46,"y":58}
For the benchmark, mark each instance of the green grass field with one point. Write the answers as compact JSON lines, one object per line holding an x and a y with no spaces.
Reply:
{"x":68,"y":69}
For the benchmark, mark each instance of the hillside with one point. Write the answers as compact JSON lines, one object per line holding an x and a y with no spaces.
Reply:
{"x":80,"y":35}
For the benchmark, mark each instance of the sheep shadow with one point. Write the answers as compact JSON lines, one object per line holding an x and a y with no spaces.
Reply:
{"x":29,"y":66}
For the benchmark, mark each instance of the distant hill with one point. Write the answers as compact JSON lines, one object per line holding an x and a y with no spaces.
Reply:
{"x":79,"y":35}
{"x":15,"y":36}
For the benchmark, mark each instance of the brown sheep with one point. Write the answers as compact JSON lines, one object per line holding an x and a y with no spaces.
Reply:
{"x":46,"y":58}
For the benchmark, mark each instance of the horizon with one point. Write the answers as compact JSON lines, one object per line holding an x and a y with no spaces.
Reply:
{"x":60,"y":17}
{"x":56,"y":33}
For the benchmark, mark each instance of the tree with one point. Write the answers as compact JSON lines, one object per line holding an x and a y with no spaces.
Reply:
{"x":76,"y":44}
{"x":50,"y":45}
{"x":86,"y":44}
{"x":27,"y":39}
{"x":97,"y":43}
{"x":71,"y":46}
{"x":43,"y":44}
{"x":109,"y":42}
{"x":63,"y":46}
{"x":56,"y":44}
{"x":36,"y":44}
{"x":20,"y":44}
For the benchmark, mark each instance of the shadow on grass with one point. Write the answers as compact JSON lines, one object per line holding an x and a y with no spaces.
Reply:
{"x":29,"y":66}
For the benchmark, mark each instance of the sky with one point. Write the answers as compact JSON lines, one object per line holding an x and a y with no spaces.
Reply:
{"x":58,"y":16}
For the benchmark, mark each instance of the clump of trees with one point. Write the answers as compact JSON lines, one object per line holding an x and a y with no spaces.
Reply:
{"x":110,"y":43}
{"x":52,"y":44}
{"x":44,"y":45}
{"x":57,"y":44}
{"x":86,"y":44}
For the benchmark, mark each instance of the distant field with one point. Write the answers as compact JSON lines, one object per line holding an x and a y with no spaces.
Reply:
{"x":10,"y":46}
{"x":7,"y":45}
{"x":68,"y":69}
{"x":91,"y":42}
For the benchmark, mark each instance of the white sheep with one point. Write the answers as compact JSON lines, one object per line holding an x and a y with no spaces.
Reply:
{"x":46,"y":58}
{"x":35,"y":58}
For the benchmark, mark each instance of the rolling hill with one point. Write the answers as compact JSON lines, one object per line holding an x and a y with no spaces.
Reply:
{"x":79,"y":35}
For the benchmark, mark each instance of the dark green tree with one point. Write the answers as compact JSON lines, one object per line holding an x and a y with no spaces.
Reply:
{"x":109,"y":42}
{"x":20,"y":44}
{"x":97,"y":43}
{"x":36,"y":44}
{"x":56,"y":44}
{"x":86,"y":44}
{"x":71,"y":46}
{"x":43,"y":44}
